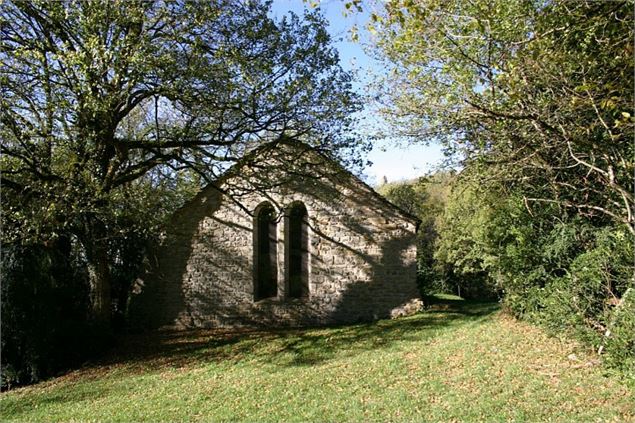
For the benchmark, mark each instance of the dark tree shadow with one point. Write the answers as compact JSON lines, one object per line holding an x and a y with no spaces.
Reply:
{"x":165,"y":264}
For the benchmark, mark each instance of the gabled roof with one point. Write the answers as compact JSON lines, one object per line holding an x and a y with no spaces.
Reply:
{"x":254,"y":154}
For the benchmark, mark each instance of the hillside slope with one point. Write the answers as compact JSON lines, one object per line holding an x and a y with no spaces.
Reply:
{"x":457,"y":361}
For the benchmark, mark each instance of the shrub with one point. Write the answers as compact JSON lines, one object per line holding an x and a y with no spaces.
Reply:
{"x":584,"y":288}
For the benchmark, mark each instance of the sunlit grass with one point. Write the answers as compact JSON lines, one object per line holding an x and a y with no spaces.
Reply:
{"x":458,"y":361}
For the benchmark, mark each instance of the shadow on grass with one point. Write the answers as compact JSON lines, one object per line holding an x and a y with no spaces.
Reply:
{"x":291,"y":347}
{"x":456,"y":305}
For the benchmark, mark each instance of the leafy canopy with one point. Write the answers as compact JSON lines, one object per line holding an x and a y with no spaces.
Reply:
{"x":96,"y":95}
{"x":112,"y":112}
{"x":540,"y":92}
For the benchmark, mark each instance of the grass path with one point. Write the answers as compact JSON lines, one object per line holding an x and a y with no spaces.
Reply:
{"x":456,"y":362}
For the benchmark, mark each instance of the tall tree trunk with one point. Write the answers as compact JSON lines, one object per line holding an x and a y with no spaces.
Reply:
{"x":99,"y":271}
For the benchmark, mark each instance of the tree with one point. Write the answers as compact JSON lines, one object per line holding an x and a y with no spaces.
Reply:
{"x":404,"y":195}
{"x":537,"y":99}
{"x":426,"y":198}
{"x":101,"y":98}
{"x":541,"y":92}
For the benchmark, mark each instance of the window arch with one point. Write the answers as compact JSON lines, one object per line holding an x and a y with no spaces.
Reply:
{"x":265,"y":252}
{"x":297,"y":251}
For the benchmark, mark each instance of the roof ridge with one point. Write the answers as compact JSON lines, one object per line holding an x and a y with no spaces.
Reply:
{"x":270,"y":145}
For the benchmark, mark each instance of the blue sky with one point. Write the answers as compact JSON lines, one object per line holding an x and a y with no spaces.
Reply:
{"x":396,"y":162}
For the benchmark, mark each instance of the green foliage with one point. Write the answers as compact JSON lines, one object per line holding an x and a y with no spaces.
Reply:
{"x":591,"y":300}
{"x":472,"y":226}
{"x":539,"y":92}
{"x":619,"y":339}
{"x":407,"y":196}
{"x":47,"y":325}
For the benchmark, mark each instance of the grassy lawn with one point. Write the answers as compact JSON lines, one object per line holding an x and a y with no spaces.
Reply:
{"x":458,"y":361}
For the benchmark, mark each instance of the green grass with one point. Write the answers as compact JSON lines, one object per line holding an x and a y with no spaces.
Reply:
{"x":458,"y":361}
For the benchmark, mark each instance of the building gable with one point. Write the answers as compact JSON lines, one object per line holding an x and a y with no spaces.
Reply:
{"x":233,"y":254}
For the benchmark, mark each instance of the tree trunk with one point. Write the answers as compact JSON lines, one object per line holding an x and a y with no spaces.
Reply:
{"x":99,"y":271}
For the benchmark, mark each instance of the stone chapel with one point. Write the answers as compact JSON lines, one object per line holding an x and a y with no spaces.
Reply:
{"x":286,"y":237}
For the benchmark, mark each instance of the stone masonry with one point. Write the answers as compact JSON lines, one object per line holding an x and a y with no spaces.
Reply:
{"x":360,"y":263}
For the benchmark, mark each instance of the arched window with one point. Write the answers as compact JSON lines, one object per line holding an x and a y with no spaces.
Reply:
{"x":297,"y":251}
{"x":265,"y":252}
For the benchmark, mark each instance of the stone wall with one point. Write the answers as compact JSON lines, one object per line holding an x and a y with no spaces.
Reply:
{"x":362,"y":251}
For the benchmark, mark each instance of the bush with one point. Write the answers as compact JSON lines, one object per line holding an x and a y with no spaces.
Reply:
{"x":583,"y":288}
{"x":571,"y":275}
